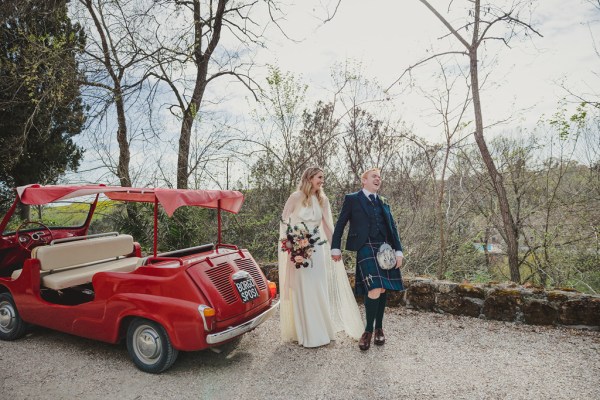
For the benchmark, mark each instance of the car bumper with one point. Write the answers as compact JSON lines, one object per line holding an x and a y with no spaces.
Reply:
{"x":230,"y":333}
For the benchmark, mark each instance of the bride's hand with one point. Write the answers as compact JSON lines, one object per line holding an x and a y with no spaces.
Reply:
{"x":336,"y":258}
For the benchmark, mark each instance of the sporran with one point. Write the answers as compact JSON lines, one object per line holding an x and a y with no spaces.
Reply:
{"x":386,"y":257}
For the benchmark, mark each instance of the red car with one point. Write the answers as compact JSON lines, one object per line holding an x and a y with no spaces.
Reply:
{"x":100,"y":286}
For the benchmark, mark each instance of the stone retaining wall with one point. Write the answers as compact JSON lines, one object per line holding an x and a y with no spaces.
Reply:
{"x":504,"y":302}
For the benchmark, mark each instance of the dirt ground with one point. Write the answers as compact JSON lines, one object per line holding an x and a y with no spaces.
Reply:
{"x":427,"y":356}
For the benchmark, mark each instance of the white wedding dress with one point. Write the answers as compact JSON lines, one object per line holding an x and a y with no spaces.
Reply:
{"x":316,"y":301}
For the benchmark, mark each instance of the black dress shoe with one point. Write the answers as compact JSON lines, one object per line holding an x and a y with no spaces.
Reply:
{"x":365,"y":341}
{"x":379,"y":337}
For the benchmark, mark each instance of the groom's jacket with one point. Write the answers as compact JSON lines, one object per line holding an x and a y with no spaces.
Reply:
{"x":356,"y":209}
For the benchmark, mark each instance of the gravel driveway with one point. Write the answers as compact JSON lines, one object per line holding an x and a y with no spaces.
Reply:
{"x":428,"y":356}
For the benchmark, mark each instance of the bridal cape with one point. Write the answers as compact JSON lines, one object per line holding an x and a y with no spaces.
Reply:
{"x":305,"y":305}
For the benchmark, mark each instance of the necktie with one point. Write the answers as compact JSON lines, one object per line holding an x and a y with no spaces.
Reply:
{"x":373,"y":199}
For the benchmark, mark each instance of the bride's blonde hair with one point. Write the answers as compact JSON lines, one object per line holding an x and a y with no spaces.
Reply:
{"x":305,"y":186}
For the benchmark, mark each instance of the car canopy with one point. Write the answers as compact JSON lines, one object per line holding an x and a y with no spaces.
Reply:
{"x":169,"y":199}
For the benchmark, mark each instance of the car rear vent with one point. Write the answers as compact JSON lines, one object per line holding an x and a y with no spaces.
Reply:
{"x":249,"y":266}
{"x":220,"y":277}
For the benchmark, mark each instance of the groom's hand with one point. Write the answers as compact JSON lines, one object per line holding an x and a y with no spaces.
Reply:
{"x":336,"y":258}
{"x":399,"y":261}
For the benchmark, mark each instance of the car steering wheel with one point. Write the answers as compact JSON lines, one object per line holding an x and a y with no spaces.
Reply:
{"x":26,"y":240}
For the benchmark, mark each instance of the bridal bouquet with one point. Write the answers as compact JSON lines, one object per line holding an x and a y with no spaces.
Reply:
{"x":300,"y":242}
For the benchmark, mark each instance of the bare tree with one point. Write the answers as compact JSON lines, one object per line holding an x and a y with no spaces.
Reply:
{"x":368,"y":141}
{"x":277,"y":138}
{"x":558,"y":218}
{"x":481,"y":24}
{"x":214,"y":37}
{"x":115,"y":65}
{"x":592,"y":95}
{"x":368,"y":135}
{"x":452,"y":125}
{"x":339,"y":135}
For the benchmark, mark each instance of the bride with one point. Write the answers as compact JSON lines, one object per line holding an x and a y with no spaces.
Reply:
{"x":316,"y":300}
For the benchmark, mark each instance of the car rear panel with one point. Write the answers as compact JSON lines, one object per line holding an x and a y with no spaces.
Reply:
{"x":214,"y":277}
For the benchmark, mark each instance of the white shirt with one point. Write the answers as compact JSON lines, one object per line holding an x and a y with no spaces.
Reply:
{"x":337,"y":252}
{"x":367,"y":193}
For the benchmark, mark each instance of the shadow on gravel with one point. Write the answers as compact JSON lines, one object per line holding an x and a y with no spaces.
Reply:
{"x":58,"y":340}
{"x":224,"y":357}
{"x":53,"y":342}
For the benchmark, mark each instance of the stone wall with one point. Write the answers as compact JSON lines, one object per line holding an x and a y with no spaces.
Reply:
{"x":504,"y":302}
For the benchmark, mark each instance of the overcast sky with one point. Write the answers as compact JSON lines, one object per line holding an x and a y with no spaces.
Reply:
{"x":386,"y":36}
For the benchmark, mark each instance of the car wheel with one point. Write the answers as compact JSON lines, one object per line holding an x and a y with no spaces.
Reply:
{"x":12,"y":327}
{"x":149,"y":346}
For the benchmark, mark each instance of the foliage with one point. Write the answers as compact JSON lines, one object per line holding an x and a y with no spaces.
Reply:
{"x":7,"y":196}
{"x":284,"y":154}
{"x":256,"y":227}
{"x":566,"y":126}
{"x":552,"y":191}
{"x":188,"y":227}
{"x":40,"y":105}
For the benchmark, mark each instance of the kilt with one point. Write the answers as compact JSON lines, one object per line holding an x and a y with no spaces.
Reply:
{"x":370,"y":276}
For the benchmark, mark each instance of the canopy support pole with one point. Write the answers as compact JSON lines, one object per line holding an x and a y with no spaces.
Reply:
{"x":9,"y":214}
{"x":155,"y":224}
{"x":219,"y":221}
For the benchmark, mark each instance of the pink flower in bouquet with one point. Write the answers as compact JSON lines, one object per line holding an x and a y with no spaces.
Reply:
{"x":299,"y":243}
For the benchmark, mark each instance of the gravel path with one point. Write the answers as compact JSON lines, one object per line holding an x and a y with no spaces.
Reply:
{"x":428,"y":356}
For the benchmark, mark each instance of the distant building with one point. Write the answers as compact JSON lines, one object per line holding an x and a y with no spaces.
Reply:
{"x":492,"y":248}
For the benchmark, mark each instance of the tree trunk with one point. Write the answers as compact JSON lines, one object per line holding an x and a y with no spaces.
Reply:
{"x":201,"y":59}
{"x":486,"y":241}
{"x":24,"y":211}
{"x":184,"y":150}
{"x":116,"y":72}
{"x":440,"y":212}
{"x":510,"y":230}
{"x":442,"y":249}
{"x":124,"y":154}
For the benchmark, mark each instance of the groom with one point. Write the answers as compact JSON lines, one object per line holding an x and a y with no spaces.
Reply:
{"x":371,"y":224}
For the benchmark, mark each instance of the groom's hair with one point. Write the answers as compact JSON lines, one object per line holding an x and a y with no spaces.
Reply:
{"x":366,"y":173}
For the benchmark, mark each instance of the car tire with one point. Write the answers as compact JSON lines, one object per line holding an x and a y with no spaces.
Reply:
{"x":12,"y":327}
{"x":149,"y":346}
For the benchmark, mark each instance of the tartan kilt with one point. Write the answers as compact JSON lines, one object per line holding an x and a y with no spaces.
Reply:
{"x":370,"y":276}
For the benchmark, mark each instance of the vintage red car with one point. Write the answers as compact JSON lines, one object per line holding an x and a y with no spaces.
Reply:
{"x":100,"y":286}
